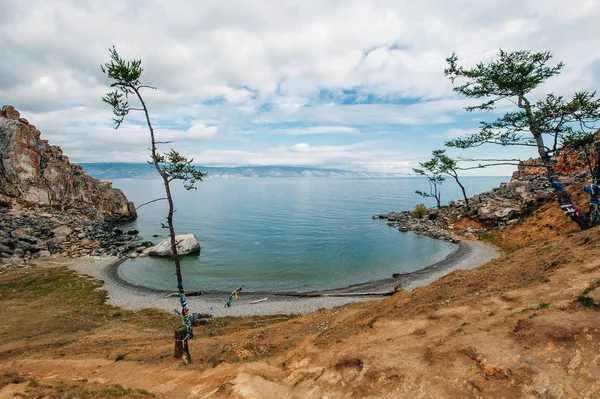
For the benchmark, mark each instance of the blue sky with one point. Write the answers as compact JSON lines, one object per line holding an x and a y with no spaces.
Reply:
{"x":354,"y":85}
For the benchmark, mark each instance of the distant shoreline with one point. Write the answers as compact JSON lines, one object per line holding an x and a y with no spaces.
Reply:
{"x":468,"y":255}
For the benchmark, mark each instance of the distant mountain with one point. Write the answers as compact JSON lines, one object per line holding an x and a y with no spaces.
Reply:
{"x":112,"y":171}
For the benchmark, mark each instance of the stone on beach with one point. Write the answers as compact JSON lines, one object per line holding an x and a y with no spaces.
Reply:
{"x":186,"y":244}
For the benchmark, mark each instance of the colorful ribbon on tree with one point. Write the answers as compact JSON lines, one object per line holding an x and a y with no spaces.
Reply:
{"x":232,"y":296}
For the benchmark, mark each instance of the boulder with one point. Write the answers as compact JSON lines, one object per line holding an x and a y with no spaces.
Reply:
{"x":186,"y":244}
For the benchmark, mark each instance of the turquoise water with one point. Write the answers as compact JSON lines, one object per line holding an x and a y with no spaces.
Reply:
{"x":286,"y":234}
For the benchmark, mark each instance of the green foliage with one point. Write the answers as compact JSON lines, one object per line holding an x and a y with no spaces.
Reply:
{"x":126,"y":82}
{"x":433,"y":216}
{"x":432,"y":171}
{"x":120,"y":357}
{"x":512,"y":76}
{"x":125,"y":76}
{"x":177,"y":167}
{"x":586,"y":300}
{"x":449,"y":166}
{"x":420,"y":210}
{"x":544,"y":305}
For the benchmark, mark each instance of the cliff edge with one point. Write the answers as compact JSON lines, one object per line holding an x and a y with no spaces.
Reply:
{"x":35,"y":172}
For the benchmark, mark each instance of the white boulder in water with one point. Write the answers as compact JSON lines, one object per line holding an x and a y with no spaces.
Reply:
{"x":186,"y":244}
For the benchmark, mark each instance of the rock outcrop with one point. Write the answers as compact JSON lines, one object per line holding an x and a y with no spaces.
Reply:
{"x":507,"y":204}
{"x":495,"y":208}
{"x":35,"y":172}
{"x":50,"y":206}
{"x":186,"y":244}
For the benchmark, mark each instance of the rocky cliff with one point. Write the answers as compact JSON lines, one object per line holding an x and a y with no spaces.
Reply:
{"x":35,"y":172}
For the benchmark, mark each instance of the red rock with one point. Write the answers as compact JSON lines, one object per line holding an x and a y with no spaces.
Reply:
{"x":35,"y":172}
{"x":9,"y":112}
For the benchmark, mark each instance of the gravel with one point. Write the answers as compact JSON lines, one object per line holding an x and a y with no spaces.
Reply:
{"x":468,"y":255}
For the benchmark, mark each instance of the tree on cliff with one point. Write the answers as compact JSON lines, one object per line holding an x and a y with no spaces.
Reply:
{"x":449,"y":166}
{"x":512,"y":76}
{"x":433,"y":172}
{"x":170,"y":166}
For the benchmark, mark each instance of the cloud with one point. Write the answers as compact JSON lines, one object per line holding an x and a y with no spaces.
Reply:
{"x":454,"y":133}
{"x":317,"y":130}
{"x":200,"y":131}
{"x":244,"y":77}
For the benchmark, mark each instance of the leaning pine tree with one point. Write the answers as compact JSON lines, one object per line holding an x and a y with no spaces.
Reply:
{"x":125,"y":76}
{"x":547,"y":125}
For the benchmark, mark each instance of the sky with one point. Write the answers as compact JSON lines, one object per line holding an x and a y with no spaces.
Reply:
{"x":355,"y":85}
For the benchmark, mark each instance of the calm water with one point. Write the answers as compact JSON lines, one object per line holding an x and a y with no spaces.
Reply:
{"x":286,"y":234}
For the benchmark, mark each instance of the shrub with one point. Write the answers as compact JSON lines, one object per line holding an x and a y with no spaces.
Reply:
{"x":420,"y":210}
{"x":433,"y":216}
{"x":586,"y":300}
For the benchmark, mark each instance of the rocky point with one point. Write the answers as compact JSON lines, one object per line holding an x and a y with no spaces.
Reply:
{"x":49,"y":205}
{"x":527,"y":190}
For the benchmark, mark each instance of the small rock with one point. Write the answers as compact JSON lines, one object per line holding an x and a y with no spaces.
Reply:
{"x":44,"y":253}
{"x":13,"y":261}
{"x":62,"y":231}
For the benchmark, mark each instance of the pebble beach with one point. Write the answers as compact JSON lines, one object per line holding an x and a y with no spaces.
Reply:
{"x":468,"y":255}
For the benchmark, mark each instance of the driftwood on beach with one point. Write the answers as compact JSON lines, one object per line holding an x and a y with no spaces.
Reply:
{"x":190,"y":293}
{"x":341,"y":294}
{"x":257,"y":301}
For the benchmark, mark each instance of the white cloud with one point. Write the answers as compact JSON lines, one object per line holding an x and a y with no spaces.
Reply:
{"x":317,"y":130}
{"x":237,"y":71}
{"x":454,"y":133}
{"x":200,"y":131}
{"x":300,"y":147}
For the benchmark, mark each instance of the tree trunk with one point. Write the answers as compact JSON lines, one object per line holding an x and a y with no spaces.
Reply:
{"x":536,"y":133}
{"x":182,"y":349}
{"x":462,"y":188}
{"x":181,"y":344}
{"x":596,"y":176}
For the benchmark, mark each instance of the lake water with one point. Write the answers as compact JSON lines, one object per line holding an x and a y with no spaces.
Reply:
{"x":287,"y":234}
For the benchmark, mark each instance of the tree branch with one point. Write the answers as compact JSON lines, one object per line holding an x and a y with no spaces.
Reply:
{"x":487,"y":160}
{"x":149,"y":202}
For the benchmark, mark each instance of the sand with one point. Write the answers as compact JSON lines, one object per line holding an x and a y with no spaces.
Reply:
{"x":468,"y":255}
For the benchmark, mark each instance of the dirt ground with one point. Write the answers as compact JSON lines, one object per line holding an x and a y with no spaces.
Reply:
{"x":525,"y":325}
